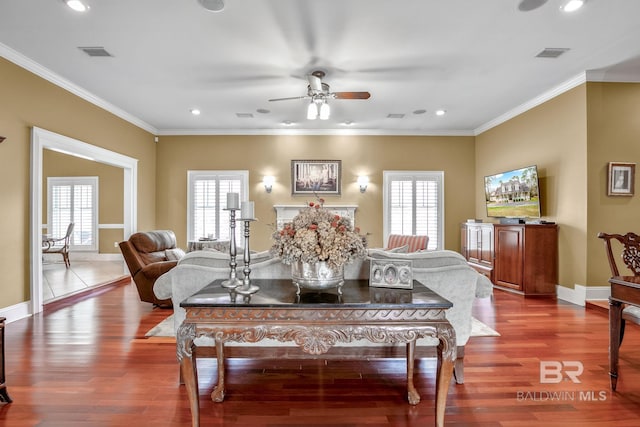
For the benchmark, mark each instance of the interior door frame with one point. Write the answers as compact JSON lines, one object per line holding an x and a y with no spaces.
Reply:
{"x":43,"y":139}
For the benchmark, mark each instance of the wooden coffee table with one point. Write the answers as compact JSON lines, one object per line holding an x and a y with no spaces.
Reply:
{"x":315,"y":323}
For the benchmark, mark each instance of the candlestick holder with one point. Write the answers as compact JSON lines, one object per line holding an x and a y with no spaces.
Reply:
{"x":233,"y":281}
{"x":247,"y":288}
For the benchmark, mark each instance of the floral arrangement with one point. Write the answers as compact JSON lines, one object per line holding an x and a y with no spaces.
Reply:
{"x":317,"y":234}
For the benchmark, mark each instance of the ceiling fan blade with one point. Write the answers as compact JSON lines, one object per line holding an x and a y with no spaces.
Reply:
{"x":315,"y":83}
{"x":290,"y":98}
{"x":351,"y":95}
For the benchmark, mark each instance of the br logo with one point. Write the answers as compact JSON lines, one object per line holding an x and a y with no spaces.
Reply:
{"x":553,"y":372}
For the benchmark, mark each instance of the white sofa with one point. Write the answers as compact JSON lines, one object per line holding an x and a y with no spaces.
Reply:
{"x":445,"y":272}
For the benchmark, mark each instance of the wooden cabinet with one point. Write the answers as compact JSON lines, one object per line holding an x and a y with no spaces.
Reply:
{"x":477,"y":247}
{"x":522,"y":258}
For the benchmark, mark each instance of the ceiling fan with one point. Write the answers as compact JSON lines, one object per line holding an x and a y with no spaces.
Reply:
{"x":319,"y":93}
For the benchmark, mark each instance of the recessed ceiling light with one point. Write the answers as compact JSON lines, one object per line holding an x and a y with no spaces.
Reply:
{"x":212,"y":5}
{"x":244,"y":115}
{"x":419,"y":111}
{"x":395,"y":116}
{"x":348,"y":123}
{"x":287,"y":123}
{"x":195,"y":111}
{"x":572,"y":5}
{"x":263,"y":111}
{"x":77,"y":5}
{"x":441,"y":112}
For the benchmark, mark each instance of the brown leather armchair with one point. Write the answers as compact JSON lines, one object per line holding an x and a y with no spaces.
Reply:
{"x":147,"y":256}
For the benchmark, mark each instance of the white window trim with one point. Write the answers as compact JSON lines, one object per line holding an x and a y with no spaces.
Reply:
{"x":387,"y":177}
{"x":195,"y":174}
{"x":79,"y":180}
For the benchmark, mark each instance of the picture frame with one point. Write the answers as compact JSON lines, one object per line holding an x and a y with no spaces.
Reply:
{"x":316,"y":177}
{"x":621,"y":179}
{"x":397,"y":274}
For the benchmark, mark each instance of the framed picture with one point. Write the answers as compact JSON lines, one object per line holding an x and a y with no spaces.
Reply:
{"x":316,"y":177}
{"x":391,"y":274}
{"x":620,"y":179}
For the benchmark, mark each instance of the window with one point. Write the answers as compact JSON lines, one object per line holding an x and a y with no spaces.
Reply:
{"x":207,"y":199}
{"x":413,"y":204}
{"x":74,"y":199}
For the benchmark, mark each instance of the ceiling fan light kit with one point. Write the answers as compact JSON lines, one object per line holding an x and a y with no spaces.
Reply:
{"x":319,"y":93}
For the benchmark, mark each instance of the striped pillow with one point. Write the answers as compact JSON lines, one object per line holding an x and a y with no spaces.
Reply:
{"x":415,"y":243}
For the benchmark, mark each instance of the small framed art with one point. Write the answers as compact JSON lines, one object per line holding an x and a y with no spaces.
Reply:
{"x":315,"y":177}
{"x":391,"y":274}
{"x":621,"y":179}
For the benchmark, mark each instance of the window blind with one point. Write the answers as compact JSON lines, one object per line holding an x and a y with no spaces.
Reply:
{"x":73,"y":199}
{"x":208,"y":200}
{"x":413,"y":205}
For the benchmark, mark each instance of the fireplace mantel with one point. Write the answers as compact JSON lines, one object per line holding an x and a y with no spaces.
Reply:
{"x":285,"y":213}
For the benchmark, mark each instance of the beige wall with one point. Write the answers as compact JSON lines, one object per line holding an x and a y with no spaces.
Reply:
{"x":614,"y":136}
{"x":110,"y":192}
{"x":28,"y":101}
{"x":552,"y":136}
{"x":272,"y":155}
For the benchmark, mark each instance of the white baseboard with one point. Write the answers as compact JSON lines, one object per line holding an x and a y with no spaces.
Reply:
{"x":16,"y":312}
{"x":580,"y":293}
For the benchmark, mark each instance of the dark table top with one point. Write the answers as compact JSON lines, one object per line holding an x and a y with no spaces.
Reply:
{"x":281,"y":293}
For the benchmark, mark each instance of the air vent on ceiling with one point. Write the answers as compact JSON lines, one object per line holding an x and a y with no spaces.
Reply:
{"x":244,"y":115}
{"x":95,"y":51}
{"x":552,"y":52}
{"x":395,"y":116}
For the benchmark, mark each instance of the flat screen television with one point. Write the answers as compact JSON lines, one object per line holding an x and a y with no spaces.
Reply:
{"x":513,"y":194}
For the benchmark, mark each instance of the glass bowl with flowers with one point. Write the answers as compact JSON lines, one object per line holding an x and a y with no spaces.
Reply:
{"x":317,"y":244}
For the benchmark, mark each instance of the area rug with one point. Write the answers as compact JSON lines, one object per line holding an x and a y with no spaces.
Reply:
{"x":165,"y":329}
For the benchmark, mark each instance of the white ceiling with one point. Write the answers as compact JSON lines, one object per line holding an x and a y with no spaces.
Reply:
{"x":473,"y":58}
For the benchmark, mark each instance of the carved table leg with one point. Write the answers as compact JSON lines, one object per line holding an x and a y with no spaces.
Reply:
{"x":185,"y":337}
{"x":446,"y":361}
{"x":412,"y":394}
{"x":218,"y":392}
{"x":615,"y":318}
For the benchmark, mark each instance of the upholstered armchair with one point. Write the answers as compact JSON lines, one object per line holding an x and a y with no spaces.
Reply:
{"x":149,"y":255}
{"x":414,"y":243}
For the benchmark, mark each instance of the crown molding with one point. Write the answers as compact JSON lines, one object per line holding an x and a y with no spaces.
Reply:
{"x":37,"y":69}
{"x":362,"y":132}
{"x":542,"y":98}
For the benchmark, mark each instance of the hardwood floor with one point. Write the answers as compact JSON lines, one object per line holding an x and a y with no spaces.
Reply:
{"x":85,"y":362}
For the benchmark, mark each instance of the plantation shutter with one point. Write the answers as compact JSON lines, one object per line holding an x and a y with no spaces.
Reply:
{"x":414,"y":206}
{"x":73,"y":200}
{"x":208,"y":200}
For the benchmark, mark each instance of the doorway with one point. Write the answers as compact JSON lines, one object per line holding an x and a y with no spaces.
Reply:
{"x":43,"y":139}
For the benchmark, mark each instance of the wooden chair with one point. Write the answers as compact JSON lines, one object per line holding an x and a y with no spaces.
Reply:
{"x":630,"y":246}
{"x":59,"y":245}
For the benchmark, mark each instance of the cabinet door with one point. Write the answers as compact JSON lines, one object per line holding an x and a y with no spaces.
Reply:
{"x":509,"y":250}
{"x":474,"y":244}
{"x":486,"y":245}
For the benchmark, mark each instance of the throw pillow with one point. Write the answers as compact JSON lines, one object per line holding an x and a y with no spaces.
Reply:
{"x":174,"y":254}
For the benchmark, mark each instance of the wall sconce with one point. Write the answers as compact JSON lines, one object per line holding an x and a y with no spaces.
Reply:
{"x":363,"y":181}
{"x":268,"y":181}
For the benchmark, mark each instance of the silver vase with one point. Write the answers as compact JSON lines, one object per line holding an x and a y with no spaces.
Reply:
{"x":316,"y":276}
